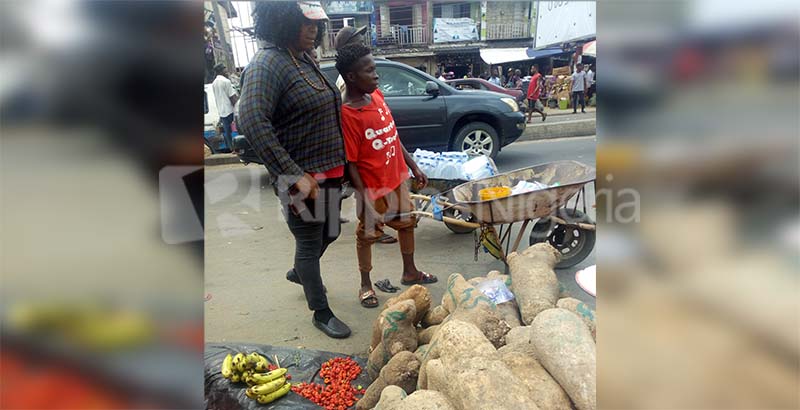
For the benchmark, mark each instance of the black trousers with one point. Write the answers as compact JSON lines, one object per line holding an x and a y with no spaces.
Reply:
{"x":314,"y":224}
{"x":576,"y":95}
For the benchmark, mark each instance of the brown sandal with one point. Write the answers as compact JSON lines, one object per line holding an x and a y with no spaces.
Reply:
{"x":368,"y":299}
{"x":424,"y":278}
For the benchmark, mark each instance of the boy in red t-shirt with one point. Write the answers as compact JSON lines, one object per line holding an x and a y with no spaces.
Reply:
{"x":534,"y":91}
{"x":378,"y":168}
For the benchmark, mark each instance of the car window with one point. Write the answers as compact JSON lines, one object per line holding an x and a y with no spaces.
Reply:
{"x":395,"y":81}
{"x":331,"y":73}
{"x":481,"y":86}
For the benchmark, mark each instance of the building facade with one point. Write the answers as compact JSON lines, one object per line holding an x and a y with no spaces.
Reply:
{"x":435,"y":35}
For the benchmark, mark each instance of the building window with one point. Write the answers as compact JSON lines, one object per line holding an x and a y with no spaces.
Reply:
{"x":338,"y":23}
{"x":401,"y":16}
{"x":451,"y":10}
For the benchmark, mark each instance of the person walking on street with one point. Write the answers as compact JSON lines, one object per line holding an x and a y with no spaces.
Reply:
{"x":534,"y":91}
{"x":579,"y":87}
{"x":225,"y":97}
{"x":291,"y":114}
{"x":378,"y":166}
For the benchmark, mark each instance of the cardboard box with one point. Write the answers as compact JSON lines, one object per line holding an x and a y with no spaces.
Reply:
{"x":561,"y":70}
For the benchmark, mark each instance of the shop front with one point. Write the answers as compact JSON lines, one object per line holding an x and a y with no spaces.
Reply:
{"x":464,"y":61}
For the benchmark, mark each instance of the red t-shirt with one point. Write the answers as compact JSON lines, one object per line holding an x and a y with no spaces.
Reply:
{"x":534,"y":85}
{"x":372,"y":143}
{"x":335,"y":172}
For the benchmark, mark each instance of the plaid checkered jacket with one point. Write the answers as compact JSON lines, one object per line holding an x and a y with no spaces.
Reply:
{"x":292,"y":127}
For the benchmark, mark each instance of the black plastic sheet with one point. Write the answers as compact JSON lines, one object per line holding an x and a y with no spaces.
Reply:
{"x":302,"y":364}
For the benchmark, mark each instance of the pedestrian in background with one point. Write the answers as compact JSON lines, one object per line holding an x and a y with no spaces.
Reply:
{"x":347,"y":35}
{"x":494,"y":79}
{"x":590,"y":80}
{"x":225,"y":97}
{"x":579,"y":87}
{"x":534,"y":92}
{"x":290,"y":113}
{"x":516,"y":80}
{"x":577,"y":58}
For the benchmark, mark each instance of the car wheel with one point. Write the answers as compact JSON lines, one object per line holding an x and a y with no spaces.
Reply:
{"x":477,"y":138}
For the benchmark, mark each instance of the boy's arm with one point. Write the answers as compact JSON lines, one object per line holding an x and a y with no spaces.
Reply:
{"x":422,"y":179}
{"x":232,"y":94}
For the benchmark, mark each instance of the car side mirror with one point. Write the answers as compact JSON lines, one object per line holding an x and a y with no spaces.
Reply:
{"x":431,"y":88}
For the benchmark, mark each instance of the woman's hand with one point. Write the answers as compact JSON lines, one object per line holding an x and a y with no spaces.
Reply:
{"x":307,"y":187}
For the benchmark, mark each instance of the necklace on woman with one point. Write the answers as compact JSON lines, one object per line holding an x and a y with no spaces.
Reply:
{"x":303,"y":74}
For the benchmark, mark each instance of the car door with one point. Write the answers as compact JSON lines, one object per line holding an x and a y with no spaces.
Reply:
{"x":420,"y":118}
{"x":479,"y":86}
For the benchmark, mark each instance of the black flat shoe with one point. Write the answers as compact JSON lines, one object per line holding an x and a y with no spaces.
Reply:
{"x":335,"y":328}
{"x":291,"y":276}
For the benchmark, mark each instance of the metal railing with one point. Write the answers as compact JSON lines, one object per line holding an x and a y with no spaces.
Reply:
{"x":507,"y":31}
{"x":402,"y":35}
{"x":330,"y":38}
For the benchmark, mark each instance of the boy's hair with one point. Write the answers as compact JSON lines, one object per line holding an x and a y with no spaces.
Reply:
{"x":349,"y":55}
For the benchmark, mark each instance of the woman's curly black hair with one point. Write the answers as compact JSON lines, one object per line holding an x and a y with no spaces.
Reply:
{"x":348,"y":55}
{"x":279,"y":23}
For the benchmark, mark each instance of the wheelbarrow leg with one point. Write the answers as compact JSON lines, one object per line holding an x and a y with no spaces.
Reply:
{"x":519,"y":235}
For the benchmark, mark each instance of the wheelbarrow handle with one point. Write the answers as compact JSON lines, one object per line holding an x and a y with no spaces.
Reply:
{"x":440,"y":201}
{"x":585,"y":226}
{"x":449,"y":220}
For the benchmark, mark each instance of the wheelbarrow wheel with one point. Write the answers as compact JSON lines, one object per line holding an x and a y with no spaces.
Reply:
{"x":574,"y":243}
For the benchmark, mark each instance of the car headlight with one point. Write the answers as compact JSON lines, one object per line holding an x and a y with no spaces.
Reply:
{"x":511,"y":103}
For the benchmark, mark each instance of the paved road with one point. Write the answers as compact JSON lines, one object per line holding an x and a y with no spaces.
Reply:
{"x":249,"y":249}
{"x":527,"y":153}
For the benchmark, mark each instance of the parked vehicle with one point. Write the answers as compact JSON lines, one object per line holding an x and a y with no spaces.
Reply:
{"x":432,"y":115}
{"x":481,"y":84}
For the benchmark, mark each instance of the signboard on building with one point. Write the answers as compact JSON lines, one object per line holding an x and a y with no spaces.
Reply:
{"x":349,"y":7}
{"x":564,"y":21}
{"x":453,"y":30}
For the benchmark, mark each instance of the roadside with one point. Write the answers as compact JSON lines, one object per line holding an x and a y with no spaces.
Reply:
{"x":559,"y":124}
{"x":248,"y":250}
